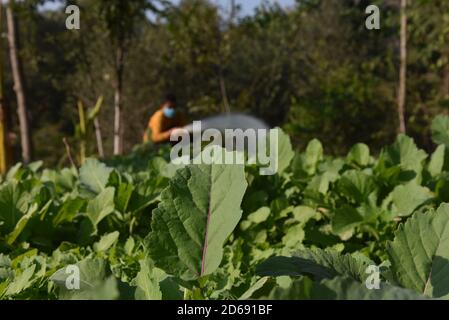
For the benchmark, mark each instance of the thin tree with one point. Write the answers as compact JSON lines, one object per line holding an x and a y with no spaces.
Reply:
{"x":121,"y":18}
{"x":222,"y":48}
{"x":403,"y":68}
{"x":5,"y":148}
{"x":19,"y":89}
{"x":118,"y":97}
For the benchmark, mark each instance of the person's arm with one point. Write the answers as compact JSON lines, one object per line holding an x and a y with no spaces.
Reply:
{"x":157,"y":135}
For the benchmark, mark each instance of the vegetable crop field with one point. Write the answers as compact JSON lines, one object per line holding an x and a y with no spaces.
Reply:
{"x":362,"y":226}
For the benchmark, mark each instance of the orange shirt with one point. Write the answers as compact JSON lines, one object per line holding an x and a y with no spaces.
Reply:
{"x":160,"y":126}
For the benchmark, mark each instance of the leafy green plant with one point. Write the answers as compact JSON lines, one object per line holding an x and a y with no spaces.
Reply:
{"x":138,"y":227}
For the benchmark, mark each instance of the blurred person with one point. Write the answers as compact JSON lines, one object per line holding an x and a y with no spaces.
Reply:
{"x":165,"y":120}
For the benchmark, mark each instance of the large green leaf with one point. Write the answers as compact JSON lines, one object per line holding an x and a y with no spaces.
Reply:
{"x":346,"y":219}
{"x":405,"y":152}
{"x":319,"y":183}
{"x":154,"y":284}
{"x":94,"y":282}
{"x":13,"y":205}
{"x":405,"y":155}
{"x":101,"y":206}
{"x":340,"y":288}
{"x":359,"y":154}
{"x":312,"y":156}
{"x":68,"y":211}
{"x":356,"y":185}
{"x":343,"y":288}
{"x":436,"y":162}
{"x":106,"y":241}
{"x":299,"y":289}
{"x":407,"y":198}
{"x":21,"y":282}
{"x":255,"y":218}
{"x":97,"y":209}
{"x":3,"y":288}
{"x":256,"y":286}
{"x":124,"y":193}
{"x":306,"y":164}
{"x":440,"y":130}
{"x":293,"y":236}
{"x":21,"y":224}
{"x":442,"y":187}
{"x":64,"y":180}
{"x":303,"y":214}
{"x":199,"y":210}
{"x":419,"y":254}
{"x":316,"y":262}
{"x":147,"y":282}
{"x":94,"y":175}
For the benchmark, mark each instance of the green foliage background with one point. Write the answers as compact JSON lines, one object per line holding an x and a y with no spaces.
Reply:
{"x":350,"y":194}
{"x":313,"y":69}
{"x":139,"y":227}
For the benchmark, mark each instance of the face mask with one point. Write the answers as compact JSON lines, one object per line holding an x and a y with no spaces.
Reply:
{"x":169,"y":112}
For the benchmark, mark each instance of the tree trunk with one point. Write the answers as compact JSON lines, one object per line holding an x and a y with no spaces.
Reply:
{"x":98,"y":137}
{"x":5,"y":150}
{"x":403,"y":68}
{"x":5,"y":147}
{"x":232,"y":11}
{"x":18,"y":85}
{"x":118,"y":97}
{"x":226,"y":107}
{"x":223,"y":91}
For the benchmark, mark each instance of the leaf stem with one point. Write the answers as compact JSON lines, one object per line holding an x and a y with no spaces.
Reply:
{"x":186,"y":294}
